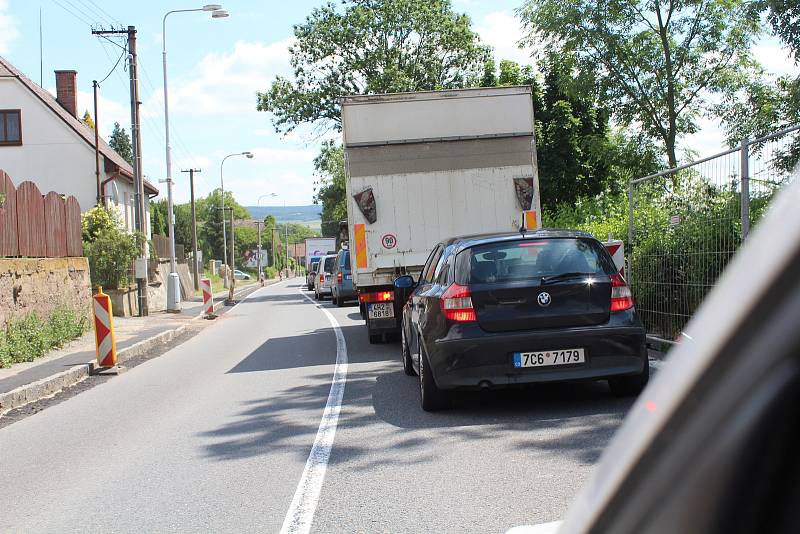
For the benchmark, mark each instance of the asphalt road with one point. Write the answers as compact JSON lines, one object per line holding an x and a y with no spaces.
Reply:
{"x":215,"y":435}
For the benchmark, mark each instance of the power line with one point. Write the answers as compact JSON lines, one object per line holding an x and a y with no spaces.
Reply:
{"x":78,"y":18}
{"x":124,"y":51}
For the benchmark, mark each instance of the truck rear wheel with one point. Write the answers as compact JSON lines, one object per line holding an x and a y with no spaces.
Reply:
{"x":375,"y":339}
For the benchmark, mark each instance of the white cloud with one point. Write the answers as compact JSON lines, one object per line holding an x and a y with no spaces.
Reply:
{"x":109,"y":111}
{"x":8,"y":28}
{"x":775,"y":58}
{"x":283,"y":155}
{"x":503,"y":31}
{"x":226,"y":83}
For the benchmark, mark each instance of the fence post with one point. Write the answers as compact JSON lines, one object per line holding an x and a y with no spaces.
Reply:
{"x":744,"y":166}
{"x":629,"y":251}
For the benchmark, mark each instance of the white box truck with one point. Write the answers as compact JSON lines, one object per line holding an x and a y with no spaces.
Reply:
{"x":317,"y":247}
{"x":422,"y":167}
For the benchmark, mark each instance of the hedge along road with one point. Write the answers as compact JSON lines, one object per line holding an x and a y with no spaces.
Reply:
{"x":217,"y":435}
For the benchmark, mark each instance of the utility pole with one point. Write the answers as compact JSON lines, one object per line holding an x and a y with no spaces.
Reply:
{"x":96,"y":138}
{"x":258,"y":229}
{"x":195,"y":264}
{"x":136,"y":142}
{"x":233,"y":262}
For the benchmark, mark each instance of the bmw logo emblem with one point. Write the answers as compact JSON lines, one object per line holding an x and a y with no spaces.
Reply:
{"x":544,"y":299}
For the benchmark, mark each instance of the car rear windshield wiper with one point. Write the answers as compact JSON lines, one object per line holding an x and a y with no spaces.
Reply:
{"x":563,"y":276}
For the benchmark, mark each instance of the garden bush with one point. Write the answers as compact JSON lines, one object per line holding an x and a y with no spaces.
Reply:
{"x":109,"y":248}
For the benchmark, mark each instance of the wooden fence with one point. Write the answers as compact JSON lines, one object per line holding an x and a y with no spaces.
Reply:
{"x":35,"y":225}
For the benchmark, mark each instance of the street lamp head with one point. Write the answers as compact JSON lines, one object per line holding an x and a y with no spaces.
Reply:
{"x":212,"y":7}
{"x":219,"y":14}
{"x":249,"y":156}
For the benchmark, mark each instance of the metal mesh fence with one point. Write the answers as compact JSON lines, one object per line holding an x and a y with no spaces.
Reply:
{"x":685,"y":224}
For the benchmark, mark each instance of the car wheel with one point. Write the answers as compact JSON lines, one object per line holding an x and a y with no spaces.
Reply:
{"x":333,"y":298}
{"x":339,"y":301}
{"x":431,"y":397}
{"x":630,"y":386}
{"x":405,"y":355}
{"x":316,"y":295}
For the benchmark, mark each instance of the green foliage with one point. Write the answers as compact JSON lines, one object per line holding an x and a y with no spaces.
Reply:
{"x":121,"y":143}
{"x":372,"y":46}
{"x":158,"y":217}
{"x":768,"y":105}
{"x":657,"y":64}
{"x":109,"y":248}
{"x":209,"y":215}
{"x":30,"y":338}
{"x":329,"y":168}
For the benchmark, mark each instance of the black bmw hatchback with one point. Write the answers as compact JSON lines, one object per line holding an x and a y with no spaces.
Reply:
{"x":505,"y":309}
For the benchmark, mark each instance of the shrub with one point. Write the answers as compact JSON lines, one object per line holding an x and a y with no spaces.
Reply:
{"x":109,"y":248}
{"x":29,"y":338}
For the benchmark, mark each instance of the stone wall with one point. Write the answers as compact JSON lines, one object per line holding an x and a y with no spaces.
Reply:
{"x":42,"y":284}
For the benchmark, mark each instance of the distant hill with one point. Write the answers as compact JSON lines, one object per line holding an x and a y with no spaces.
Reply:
{"x":308,"y":215}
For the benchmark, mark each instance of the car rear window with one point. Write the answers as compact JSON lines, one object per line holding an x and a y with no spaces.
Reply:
{"x":314,"y":265}
{"x":344,"y":261}
{"x":509,"y":261}
{"x":330,"y":261}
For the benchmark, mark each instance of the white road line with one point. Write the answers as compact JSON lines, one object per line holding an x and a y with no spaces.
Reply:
{"x":301,"y":512}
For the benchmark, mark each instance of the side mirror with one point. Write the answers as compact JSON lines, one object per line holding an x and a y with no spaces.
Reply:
{"x":404,"y":282}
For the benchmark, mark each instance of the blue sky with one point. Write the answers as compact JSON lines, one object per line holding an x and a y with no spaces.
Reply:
{"x":215,"y":69}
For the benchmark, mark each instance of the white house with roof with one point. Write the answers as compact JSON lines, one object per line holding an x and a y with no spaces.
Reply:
{"x":43,"y":140}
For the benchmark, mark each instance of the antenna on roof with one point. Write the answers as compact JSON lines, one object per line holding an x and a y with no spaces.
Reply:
{"x":41,"y":52}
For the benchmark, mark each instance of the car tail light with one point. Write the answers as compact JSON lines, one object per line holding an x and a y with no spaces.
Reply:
{"x":621,"y":296}
{"x":322,"y":278}
{"x":456,"y":304}
{"x":380,"y":296}
{"x":339,"y":277}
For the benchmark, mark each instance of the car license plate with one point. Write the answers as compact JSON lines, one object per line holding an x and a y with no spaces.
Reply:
{"x":381,"y":310}
{"x":548,"y":357}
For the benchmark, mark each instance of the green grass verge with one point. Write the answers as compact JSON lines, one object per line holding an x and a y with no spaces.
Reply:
{"x":29,"y":338}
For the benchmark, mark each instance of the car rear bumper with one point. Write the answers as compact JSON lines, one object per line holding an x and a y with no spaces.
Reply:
{"x":472,"y":358}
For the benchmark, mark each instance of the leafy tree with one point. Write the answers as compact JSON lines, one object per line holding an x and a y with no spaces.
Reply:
{"x":329,"y":168}
{"x":654,"y":62}
{"x":109,"y":248}
{"x":87,"y":119}
{"x":769,"y":105}
{"x":158,"y":217}
{"x":209,"y":211}
{"x":121,"y":143}
{"x":372,"y":46}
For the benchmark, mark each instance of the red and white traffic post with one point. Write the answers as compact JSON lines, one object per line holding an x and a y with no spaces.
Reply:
{"x":208,"y":298}
{"x":617,"y":250}
{"x":104,"y":330}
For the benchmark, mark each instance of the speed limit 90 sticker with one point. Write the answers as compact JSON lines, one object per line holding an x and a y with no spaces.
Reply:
{"x":389,"y":241}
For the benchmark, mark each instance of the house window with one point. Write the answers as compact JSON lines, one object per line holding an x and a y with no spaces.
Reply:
{"x":10,"y":127}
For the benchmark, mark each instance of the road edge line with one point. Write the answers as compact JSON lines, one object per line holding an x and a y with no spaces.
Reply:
{"x":300,"y":516}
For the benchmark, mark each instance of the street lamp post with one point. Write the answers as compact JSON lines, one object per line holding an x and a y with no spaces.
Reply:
{"x":173,"y":282}
{"x":248,"y":155}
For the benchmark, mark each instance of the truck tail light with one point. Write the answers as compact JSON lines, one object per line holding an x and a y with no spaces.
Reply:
{"x":380,"y":296}
{"x":339,"y":277}
{"x":621,"y":296}
{"x":456,"y":304}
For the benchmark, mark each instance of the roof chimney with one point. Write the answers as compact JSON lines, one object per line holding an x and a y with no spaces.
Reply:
{"x":67,"y":90}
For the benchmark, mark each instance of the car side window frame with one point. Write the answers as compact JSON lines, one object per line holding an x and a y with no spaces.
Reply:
{"x":426,"y":270}
{"x":444,"y":276}
{"x":441,"y":266}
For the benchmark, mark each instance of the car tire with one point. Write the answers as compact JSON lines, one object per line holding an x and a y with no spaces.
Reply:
{"x":316,"y":295}
{"x":339,"y":302}
{"x":630,"y":386}
{"x":333,"y":298}
{"x":375,"y":339}
{"x":431,"y":397}
{"x":405,"y":355}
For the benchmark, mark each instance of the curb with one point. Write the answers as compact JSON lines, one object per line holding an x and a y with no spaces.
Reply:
{"x":49,"y":386}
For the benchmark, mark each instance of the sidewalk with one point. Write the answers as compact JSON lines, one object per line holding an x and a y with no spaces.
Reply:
{"x":27,"y":382}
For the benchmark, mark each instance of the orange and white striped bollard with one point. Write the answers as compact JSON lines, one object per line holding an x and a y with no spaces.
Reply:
{"x":208,"y":297}
{"x":104,"y":330}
